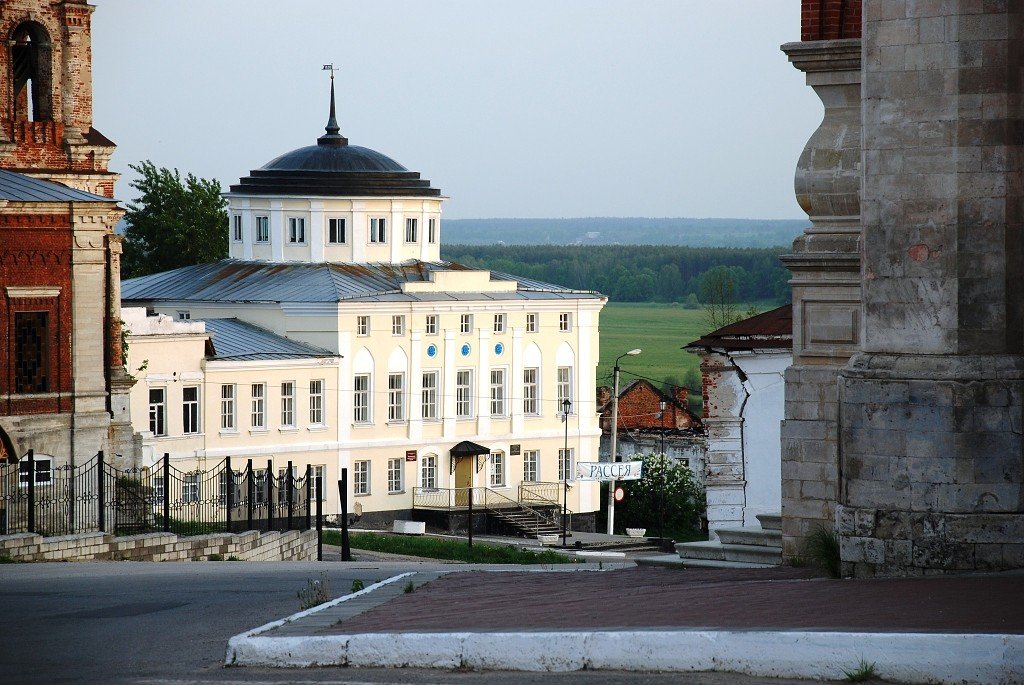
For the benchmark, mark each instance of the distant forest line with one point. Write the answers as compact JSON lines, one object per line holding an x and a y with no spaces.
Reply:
{"x":636,"y":273}
{"x":625,"y":231}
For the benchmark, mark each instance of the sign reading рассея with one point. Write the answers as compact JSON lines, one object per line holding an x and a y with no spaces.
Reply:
{"x":614,"y":470}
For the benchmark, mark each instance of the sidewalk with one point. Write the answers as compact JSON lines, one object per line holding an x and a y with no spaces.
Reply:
{"x":776,"y":622}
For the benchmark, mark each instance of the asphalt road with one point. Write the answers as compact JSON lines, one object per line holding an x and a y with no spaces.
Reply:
{"x":168,"y":624}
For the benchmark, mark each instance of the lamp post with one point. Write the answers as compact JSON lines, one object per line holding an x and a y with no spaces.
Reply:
{"x":615,"y":436}
{"x":664,"y":477}
{"x":566,"y":406}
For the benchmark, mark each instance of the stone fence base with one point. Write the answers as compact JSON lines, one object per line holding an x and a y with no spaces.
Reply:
{"x":293,"y":545}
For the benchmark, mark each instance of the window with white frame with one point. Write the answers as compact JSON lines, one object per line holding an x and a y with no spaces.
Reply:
{"x":431,"y":230}
{"x":223,"y":484}
{"x":158,"y":411}
{"x":395,"y":475}
{"x":296,"y":229}
{"x":183,"y":315}
{"x":428,"y":396}
{"x":190,"y":487}
{"x":396,"y":397}
{"x":288,"y":404}
{"x":497,"y":392}
{"x":565,"y":461}
{"x":531,"y":466}
{"x":496,"y":469}
{"x":227,"y":407}
{"x":565,"y":322}
{"x":465,"y":323}
{"x":531,"y":322}
{"x":336,"y":231}
{"x":317,"y":473}
{"x":158,"y":488}
{"x":531,"y":401}
{"x":43,"y":467}
{"x":361,"y":398}
{"x":378,"y":230}
{"x":316,"y":402}
{"x":190,"y":409}
{"x":564,"y":385}
{"x":410,"y":230}
{"x":285,"y":485}
{"x":431,"y":324}
{"x":363,"y":325}
{"x":236,"y":227}
{"x":464,"y":393}
{"x":261,"y":226}
{"x":258,"y":410}
{"x":499,"y":323}
{"x":397,"y":325}
{"x":361,"y":477}
{"x":428,"y":471}
{"x":259,"y":478}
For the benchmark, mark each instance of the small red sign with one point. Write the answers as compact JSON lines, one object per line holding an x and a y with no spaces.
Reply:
{"x":620,"y":494}
{"x":410,"y":455}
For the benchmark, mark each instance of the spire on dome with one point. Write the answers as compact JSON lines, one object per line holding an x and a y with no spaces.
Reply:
{"x":333,"y":135}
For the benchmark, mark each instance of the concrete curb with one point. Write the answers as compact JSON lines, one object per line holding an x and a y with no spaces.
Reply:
{"x":913,"y":657}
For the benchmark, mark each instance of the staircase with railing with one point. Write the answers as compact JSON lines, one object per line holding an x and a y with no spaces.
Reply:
{"x":535,"y":512}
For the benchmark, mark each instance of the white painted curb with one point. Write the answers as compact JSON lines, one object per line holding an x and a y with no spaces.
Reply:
{"x":914,"y":657}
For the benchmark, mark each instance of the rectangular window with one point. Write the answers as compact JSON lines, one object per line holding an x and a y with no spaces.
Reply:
{"x":531,"y":322}
{"x":236,"y":227}
{"x":361,"y":477}
{"x":258,"y":415}
{"x":499,"y":323}
{"x":497,"y":392}
{"x":361,"y":398}
{"x":222,"y":488}
{"x":428,"y":471}
{"x":190,"y":409}
{"x":43,"y":467}
{"x":227,"y":407}
{"x":465,"y":323}
{"x":316,"y":402}
{"x":259,"y":478}
{"x":395,"y":475}
{"x":317,"y":473}
{"x":496,"y":464}
{"x":190,"y":487}
{"x":378,"y":230}
{"x":565,"y":322}
{"x":158,"y":488}
{"x":564,"y":379}
{"x":531,"y":466}
{"x":398,"y":325}
{"x":410,"y":230}
{"x":336,"y":231}
{"x":296,"y":229}
{"x":431,"y":230}
{"x":284,"y":485}
{"x":362,"y":325}
{"x":184,"y":315}
{"x":288,"y":404}
{"x":396,"y":397}
{"x":464,"y":394}
{"x":431,"y":326}
{"x":429,"y":396}
{"x":262,"y":225}
{"x":158,"y":411}
{"x":530,"y":385}
{"x":31,"y":352}
{"x":565,"y":460}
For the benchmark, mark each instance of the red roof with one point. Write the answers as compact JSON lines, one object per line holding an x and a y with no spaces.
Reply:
{"x":769,"y":330}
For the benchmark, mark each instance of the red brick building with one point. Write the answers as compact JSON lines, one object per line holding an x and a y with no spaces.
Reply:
{"x":63,"y":391}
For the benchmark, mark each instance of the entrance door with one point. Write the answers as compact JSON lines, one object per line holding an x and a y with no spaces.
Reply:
{"x":463,"y":480}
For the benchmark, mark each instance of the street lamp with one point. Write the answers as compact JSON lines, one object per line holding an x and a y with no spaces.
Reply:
{"x":615,"y":436}
{"x":664,"y":477}
{"x":567,"y":463}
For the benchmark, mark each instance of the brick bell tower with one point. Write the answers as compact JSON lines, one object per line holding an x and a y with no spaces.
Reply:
{"x":46,"y":87}
{"x":63,"y":388}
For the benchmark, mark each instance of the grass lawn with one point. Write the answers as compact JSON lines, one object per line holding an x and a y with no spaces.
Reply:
{"x":448,"y":550}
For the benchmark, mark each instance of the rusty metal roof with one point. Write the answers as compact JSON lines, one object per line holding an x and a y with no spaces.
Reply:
{"x":769,"y":330}
{"x":239,"y":340}
{"x":232,"y":280}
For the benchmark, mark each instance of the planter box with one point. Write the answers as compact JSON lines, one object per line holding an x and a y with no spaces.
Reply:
{"x":410,"y":527}
{"x":636,"y":532}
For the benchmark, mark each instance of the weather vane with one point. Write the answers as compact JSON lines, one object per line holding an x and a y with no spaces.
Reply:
{"x":330,"y":68}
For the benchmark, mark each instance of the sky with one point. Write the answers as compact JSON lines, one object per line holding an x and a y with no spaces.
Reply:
{"x":532,"y":108}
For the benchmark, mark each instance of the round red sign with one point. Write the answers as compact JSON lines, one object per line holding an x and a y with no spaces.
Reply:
{"x":619,"y":494}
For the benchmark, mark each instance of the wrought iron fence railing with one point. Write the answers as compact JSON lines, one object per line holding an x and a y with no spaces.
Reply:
{"x":36,"y":497}
{"x":458,"y":499}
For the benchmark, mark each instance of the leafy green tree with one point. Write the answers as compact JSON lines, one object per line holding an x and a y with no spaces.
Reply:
{"x":665,"y":482}
{"x":175,"y":222}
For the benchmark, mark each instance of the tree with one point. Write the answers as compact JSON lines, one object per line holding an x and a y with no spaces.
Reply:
{"x":683,"y":501}
{"x":173,"y":223}
{"x":718,"y":294}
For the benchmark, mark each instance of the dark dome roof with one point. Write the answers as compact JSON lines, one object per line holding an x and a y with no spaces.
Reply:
{"x":333,"y":158}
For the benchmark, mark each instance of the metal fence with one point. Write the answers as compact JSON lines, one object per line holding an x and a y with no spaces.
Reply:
{"x":37,"y":497}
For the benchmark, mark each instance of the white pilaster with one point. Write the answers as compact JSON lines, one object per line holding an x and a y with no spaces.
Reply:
{"x":448,"y":384}
{"x":483,"y":384}
{"x":276,"y":231}
{"x":415,"y":386}
{"x":515,"y":382}
{"x":316,"y":230}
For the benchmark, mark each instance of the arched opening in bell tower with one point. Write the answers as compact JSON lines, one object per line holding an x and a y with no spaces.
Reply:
{"x":31,"y":72}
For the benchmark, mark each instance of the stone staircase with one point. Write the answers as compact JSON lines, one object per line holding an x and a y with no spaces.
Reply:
{"x":525,"y":522}
{"x":746,"y":547}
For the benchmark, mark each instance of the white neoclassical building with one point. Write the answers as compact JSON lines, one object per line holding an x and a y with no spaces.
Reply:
{"x":337,"y":247}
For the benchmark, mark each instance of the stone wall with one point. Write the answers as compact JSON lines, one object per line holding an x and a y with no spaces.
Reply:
{"x":251,"y":545}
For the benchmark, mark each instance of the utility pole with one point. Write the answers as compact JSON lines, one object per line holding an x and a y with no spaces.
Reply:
{"x":615,"y":436}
